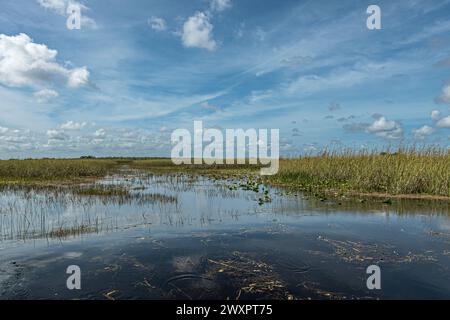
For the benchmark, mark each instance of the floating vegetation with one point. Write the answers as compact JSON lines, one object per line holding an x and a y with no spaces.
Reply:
{"x":351,"y":251}
{"x":253,"y":278}
{"x":265,"y":199}
{"x":250,"y":185}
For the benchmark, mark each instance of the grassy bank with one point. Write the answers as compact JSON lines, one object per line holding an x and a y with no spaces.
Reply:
{"x":53,"y":170}
{"x":404,"y":173}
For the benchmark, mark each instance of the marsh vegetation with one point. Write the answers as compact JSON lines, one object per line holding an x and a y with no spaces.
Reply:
{"x":405,"y":172}
{"x":53,"y":171}
{"x":144,"y":228}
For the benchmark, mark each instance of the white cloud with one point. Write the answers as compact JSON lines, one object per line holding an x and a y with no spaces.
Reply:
{"x":57,"y":135}
{"x":158,"y":24}
{"x":445,"y":95}
{"x":423,"y":132}
{"x":220,"y":5}
{"x":56,"y":5}
{"x":25,"y":63}
{"x":78,"y":77}
{"x":257,"y":96}
{"x":435,"y":115}
{"x":44,"y":95}
{"x":100,"y":133}
{"x":444,"y":122}
{"x":345,"y":78}
{"x":71,"y":125}
{"x":386,"y":129}
{"x":197,"y":32}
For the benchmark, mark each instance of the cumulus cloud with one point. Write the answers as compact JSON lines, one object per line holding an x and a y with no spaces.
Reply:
{"x":444,"y":122}
{"x":423,"y":132}
{"x":25,"y":63}
{"x":57,"y":135}
{"x":197,"y":32}
{"x":78,"y":77}
{"x":381,"y":127}
{"x":386,"y":128}
{"x":435,"y":115}
{"x":158,"y":24}
{"x":16,"y":140}
{"x":71,"y":125}
{"x":100,"y":133}
{"x":45,"y":95}
{"x":220,"y":5}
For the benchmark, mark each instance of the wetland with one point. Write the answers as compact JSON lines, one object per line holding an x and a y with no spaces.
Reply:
{"x":172,"y":234}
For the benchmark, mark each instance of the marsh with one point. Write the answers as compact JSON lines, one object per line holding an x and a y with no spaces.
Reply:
{"x":140,"y":235}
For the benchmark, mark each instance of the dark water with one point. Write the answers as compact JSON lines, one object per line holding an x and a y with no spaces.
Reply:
{"x":178,"y":237}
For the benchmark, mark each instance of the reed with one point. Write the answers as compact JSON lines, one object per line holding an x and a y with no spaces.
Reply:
{"x":53,"y":170}
{"x":408,"y":171}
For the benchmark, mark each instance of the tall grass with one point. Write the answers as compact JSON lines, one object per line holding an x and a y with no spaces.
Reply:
{"x":53,"y":169}
{"x":407,"y":171}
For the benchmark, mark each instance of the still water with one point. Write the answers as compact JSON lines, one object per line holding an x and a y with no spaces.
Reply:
{"x":183,"y":237}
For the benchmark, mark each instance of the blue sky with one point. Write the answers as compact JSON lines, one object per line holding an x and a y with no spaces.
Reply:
{"x":138,"y":69}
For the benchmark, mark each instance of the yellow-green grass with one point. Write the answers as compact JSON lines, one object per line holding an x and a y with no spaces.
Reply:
{"x":53,"y":170}
{"x":406,"y":172}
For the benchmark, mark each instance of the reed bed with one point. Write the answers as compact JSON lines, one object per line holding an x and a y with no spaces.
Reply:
{"x":57,"y":170}
{"x":404,"y":172}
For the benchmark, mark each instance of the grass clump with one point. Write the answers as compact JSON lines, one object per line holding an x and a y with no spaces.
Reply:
{"x":103,"y":191}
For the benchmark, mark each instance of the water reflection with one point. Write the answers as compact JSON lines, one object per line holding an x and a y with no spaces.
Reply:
{"x":139,"y":235}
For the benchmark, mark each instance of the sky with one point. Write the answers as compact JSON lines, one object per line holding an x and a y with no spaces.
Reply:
{"x":139,"y":69}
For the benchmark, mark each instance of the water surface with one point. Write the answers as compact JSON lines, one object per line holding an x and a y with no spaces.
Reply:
{"x":183,"y":237}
